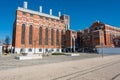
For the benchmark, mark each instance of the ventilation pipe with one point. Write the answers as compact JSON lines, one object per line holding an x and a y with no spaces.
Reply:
{"x":59,"y":14}
{"x":41,"y":9}
{"x":25,"y":5}
{"x":50,"y":11}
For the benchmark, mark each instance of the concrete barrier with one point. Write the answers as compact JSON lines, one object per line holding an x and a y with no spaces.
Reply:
{"x":28,"y":57}
{"x":72,"y":54}
{"x":108,"y":50}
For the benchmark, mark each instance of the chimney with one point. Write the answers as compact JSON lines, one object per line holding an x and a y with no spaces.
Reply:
{"x":59,"y":14}
{"x":41,"y":9}
{"x":25,"y":5}
{"x":50,"y":11}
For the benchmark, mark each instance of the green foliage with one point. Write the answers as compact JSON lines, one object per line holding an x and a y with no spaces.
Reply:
{"x":58,"y":54}
{"x":24,"y":54}
{"x":7,"y":40}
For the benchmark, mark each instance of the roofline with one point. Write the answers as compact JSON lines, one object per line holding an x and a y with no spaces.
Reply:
{"x":38,"y":13}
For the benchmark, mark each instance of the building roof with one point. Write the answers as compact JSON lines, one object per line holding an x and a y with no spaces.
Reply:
{"x":98,"y":22}
{"x":38,"y":13}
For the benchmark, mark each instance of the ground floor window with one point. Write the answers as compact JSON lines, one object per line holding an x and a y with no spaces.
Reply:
{"x":46,"y":50}
{"x":57,"y":49}
{"x":21,"y":50}
{"x":30,"y":50}
{"x":40,"y":50}
{"x":52,"y":49}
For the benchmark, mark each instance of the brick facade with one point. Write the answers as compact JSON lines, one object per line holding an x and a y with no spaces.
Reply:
{"x":59,"y":25}
{"x":98,"y":35}
{"x":38,"y":32}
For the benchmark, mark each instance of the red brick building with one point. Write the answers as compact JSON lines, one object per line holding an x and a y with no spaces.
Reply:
{"x":99,"y":35}
{"x":37,"y":32}
{"x":71,"y":38}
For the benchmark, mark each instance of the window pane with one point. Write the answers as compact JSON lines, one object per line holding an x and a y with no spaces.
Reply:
{"x":52,"y":37}
{"x":46,"y":36}
{"x":30,"y":34}
{"x":57,"y":37}
{"x":23,"y":34}
{"x":40,"y":35}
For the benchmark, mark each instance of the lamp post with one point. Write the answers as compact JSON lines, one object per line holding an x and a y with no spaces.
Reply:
{"x":73,"y":38}
{"x":102,"y":49}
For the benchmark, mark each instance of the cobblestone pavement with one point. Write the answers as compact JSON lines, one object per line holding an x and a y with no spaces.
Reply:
{"x":9,"y":61}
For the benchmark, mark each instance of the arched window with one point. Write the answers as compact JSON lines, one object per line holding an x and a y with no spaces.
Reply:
{"x":46,"y":36}
{"x":57,"y":37}
{"x":52,"y":37}
{"x":23,"y":34}
{"x":62,"y":37}
{"x":40,"y":36}
{"x":30,"y":34}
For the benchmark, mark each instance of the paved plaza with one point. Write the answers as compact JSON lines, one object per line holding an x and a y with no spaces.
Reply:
{"x":9,"y":61}
{"x":83,"y":67}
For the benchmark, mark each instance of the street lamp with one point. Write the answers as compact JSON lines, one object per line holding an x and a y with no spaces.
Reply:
{"x":102,"y":49}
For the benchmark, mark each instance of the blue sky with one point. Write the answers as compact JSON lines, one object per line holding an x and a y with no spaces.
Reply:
{"x":82,"y":12}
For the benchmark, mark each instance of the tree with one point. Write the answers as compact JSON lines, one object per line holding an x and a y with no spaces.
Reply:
{"x":0,"y":41}
{"x":7,"y":40}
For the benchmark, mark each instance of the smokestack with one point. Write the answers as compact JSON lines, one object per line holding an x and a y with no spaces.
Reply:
{"x":25,"y":5}
{"x":59,"y":14}
{"x":41,"y":9}
{"x":50,"y":11}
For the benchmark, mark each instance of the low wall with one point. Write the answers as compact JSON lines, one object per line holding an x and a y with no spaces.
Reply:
{"x":108,"y":50}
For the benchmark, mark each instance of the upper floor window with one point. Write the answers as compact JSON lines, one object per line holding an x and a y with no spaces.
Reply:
{"x":23,"y":34}
{"x":52,"y":19}
{"x":46,"y":36}
{"x":98,"y":28}
{"x":57,"y":37}
{"x":41,"y":17}
{"x":52,"y":37}
{"x":24,"y":13}
{"x":40,"y":35}
{"x":30,"y":34}
{"x":62,"y":37}
{"x":46,"y":18}
{"x":31,"y":15}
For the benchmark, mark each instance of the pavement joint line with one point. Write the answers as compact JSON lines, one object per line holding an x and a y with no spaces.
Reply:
{"x":115,"y":76}
{"x":87,"y":70}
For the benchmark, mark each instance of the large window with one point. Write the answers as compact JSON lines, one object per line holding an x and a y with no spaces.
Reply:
{"x":30,"y":34}
{"x":62,"y":37}
{"x":52,"y":37}
{"x":57,"y":37}
{"x":46,"y":36}
{"x":40,"y":36}
{"x":23,"y":34}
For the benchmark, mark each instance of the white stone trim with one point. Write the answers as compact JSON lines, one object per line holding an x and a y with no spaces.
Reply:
{"x":36,"y":50}
{"x":38,"y":13}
